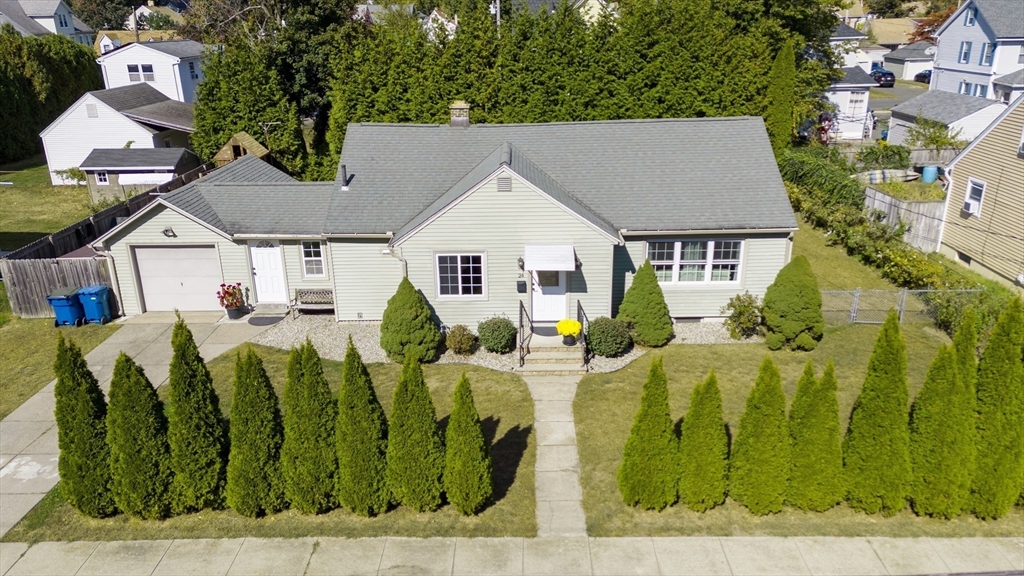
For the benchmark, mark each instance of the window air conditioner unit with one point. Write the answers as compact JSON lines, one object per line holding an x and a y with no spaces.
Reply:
{"x":970,"y":207}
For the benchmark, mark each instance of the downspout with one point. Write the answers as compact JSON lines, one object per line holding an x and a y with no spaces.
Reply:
{"x":393,"y":252}
{"x":116,"y":286}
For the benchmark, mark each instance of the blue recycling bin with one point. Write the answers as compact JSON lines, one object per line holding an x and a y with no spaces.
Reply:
{"x":66,"y":307}
{"x":95,"y":302}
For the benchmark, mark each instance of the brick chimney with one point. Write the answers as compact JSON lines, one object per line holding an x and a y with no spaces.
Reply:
{"x":460,"y":113}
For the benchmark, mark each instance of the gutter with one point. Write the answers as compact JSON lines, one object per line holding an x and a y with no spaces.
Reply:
{"x":696,"y":232}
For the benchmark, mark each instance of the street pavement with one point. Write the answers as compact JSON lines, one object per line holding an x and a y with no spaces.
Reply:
{"x":900,"y":93}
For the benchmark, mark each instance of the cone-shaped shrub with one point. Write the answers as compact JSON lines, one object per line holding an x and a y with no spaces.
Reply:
{"x":876,"y":458}
{"x":195,"y":428}
{"x":816,"y":478}
{"x":84,"y":461}
{"x":255,"y":484}
{"x":759,"y":468}
{"x":778,"y":119}
{"x":309,"y":460}
{"x":792,"y":307}
{"x":965,"y":343}
{"x":415,"y":458}
{"x":649,"y":474}
{"x":140,"y":458}
{"x":643,"y":308}
{"x":941,"y":441}
{"x":999,"y":465}
{"x":362,"y":440}
{"x":408,"y":325}
{"x":704,"y":449}
{"x":467,"y":458}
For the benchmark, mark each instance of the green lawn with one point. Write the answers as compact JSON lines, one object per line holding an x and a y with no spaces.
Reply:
{"x":834,"y":268}
{"x":32,"y":208}
{"x":502,"y":400}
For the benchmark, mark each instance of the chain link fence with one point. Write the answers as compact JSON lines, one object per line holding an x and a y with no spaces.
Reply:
{"x":871,"y":306}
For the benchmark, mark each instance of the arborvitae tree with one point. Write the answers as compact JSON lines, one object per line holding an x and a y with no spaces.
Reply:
{"x":649,"y":474}
{"x":704,"y":449}
{"x":309,"y":460}
{"x":408,"y":326}
{"x":941,"y":441}
{"x":84,"y":462}
{"x":195,"y":428}
{"x":792,"y":307}
{"x":362,"y":440}
{"x":643,"y":307}
{"x":781,"y":94}
{"x":816,"y":479}
{"x":467,"y":459}
{"x":415,"y":457}
{"x":255,"y":484}
{"x":759,"y":468}
{"x":876,"y":458}
{"x":999,"y":465}
{"x":965,"y":346}
{"x":140,"y":457}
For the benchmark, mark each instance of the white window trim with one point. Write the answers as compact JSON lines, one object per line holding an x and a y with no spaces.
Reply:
{"x":105,"y":181}
{"x":971,"y":16}
{"x":964,"y":57}
{"x":461,"y":297}
{"x":137,"y":74}
{"x":708,"y":262}
{"x":967,"y":195}
{"x":322,"y":259}
{"x":988,"y":53}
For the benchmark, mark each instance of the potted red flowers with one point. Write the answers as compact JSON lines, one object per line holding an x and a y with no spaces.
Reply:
{"x":232,"y":300}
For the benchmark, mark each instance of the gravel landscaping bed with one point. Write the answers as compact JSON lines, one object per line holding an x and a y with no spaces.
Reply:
{"x":707,"y":333}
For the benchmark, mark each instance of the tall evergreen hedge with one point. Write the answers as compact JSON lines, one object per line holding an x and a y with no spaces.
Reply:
{"x":941,"y":441}
{"x":704,"y":449}
{"x":415,"y":457}
{"x":255,"y":484}
{"x":140,"y":457}
{"x":408,"y":325}
{"x":309,"y":459}
{"x":781,"y":93}
{"x":80,"y":411}
{"x":792,"y":308}
{"x":362,"y":440}
{"x":195,"y":428}
{"x":816,"y":478}
{"x":467,"y":464}
{"x":760,"y":463}
{"x":999,"y":464}
{"x":965,"y":346}
{"x":876,"y":458}
{"x":644,"y":309}
{"x":649,"y":474}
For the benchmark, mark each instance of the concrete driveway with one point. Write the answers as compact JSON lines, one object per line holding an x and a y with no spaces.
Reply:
{"x":28,"y":436}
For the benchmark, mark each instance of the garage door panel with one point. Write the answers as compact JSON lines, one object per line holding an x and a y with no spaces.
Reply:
{"x":179,"y":278}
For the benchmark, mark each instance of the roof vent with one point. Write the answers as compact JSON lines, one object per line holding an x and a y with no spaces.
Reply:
{"x":460,"y":113}
{"x":504,"y":184}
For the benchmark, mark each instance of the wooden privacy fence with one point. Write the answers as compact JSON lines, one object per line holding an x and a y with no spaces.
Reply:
{"x":29,"y":282}
{"x":924,"y":219}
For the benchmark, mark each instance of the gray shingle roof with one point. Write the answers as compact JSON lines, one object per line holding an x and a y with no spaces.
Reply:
{"x":178,"y":48}
{"x":844,"y":32}
{"x":168,"y":114}
{"x":922,"y":50}
{"x":12,"y":13}
{"x":162,"y":158}
{"x":80,"y":26}
{"x":941,"y":106}
{"x":247,"y":169}
{"x":39,"y":8}
{"x":855,"y":76}
{"x":1005,"y":17}
{"x":130,"y":96}
{"x":1012,"y":79}
{"x":269,"y":208}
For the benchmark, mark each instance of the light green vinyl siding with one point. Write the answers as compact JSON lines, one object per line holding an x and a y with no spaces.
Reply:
{"x":763,"y":256}
{"x":499,"y":225}
{"x":148,"y":231}
{"x":292,"y":251}
{"x":363,"y":278}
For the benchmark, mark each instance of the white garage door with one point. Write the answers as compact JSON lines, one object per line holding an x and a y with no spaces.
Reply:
{"x":179,"y":278}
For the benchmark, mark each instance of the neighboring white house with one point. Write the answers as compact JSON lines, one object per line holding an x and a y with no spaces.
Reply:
{"x":983,"y":40}
{"x":846,"y":41}
{"x":135,"y":116}
{"x":41,"y":17}
{"x":438,"y":21}
{"x":851,"y":96}
{"x":173,"y":67}
{"x":908,"y":61}
{"x":969,"y":115}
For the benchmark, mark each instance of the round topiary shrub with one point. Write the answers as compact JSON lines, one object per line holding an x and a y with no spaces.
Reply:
{"x":498,"y":335}
{"x":608,"y":337}
{"x":461,"y":340}
{"x":775,"y":341}
{"x":792,"y":307}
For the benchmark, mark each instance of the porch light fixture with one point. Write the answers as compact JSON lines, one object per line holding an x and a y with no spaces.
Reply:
{"x":169,"y":232}
{"x":521,"y":263}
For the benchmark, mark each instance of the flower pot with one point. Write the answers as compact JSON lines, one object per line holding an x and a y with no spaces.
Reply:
{"x":235,"y":313}
{"x":569,"y":340}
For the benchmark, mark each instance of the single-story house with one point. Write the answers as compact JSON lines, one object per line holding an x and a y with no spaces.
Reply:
{"x":959,"y":112}
{"x":484,"y":220}
{"x":851,"y":96}
{"x":122,"y":172}
{"x":908,"y":61}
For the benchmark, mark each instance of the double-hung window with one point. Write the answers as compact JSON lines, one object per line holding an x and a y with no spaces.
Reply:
{"x":987,"y":50}
{"x":966,"y":88}
{"x":691,"y":261}
{"x":145,"y":76}
{"x":965,"y":53}
{"x":460,"y":274}
{"x":147,"y":73}
{"x":312,"y":259}
{"x":133,"y":73}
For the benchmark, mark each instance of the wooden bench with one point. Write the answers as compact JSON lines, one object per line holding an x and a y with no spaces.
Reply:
{"x":311,"y":299}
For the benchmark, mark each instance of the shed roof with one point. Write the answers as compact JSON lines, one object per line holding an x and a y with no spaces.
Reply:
{"x":842,"y":31}
{"x":112,"y":158}
{"x":941,"y":106}
{"x":855,"y":76}
{"x":922,"y":50}
{"x":1013,"y":79}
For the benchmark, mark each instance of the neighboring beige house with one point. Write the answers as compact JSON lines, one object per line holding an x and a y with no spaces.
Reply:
{"x":984,"y":224}
{"x":119,"y":173}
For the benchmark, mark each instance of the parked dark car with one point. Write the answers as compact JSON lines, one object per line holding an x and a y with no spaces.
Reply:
{"x":884,"y":78}
{"x":923,"y":76}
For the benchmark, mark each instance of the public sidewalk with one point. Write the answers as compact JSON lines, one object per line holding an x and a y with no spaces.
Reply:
{"x":556,"y":556}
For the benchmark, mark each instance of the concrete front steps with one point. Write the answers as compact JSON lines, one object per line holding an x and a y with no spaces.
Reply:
{"x":553,"y":361}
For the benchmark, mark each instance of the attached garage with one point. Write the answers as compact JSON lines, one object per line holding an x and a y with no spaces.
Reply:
{"x":178,"y":277}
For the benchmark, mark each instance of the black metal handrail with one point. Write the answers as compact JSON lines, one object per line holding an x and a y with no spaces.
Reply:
{"x":581,"y":317}
{"x":524,"y":334}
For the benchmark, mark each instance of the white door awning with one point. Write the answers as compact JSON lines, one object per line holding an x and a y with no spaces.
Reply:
{"x":546,"y":258}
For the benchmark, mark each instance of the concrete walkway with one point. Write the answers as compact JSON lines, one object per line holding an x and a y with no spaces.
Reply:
{"x":559,"y":495}
{"x":555,"y":556}
{"x":28,"y":436}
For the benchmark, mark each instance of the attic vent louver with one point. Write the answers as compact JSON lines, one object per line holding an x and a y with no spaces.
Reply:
{"x":504,"y":184}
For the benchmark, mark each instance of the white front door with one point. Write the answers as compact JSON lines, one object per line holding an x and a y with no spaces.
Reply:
{"x":549,"y":296}
{"x":267,"y":272}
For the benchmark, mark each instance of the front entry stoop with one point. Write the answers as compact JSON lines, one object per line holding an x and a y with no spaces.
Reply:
{"x":553,"y":361}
